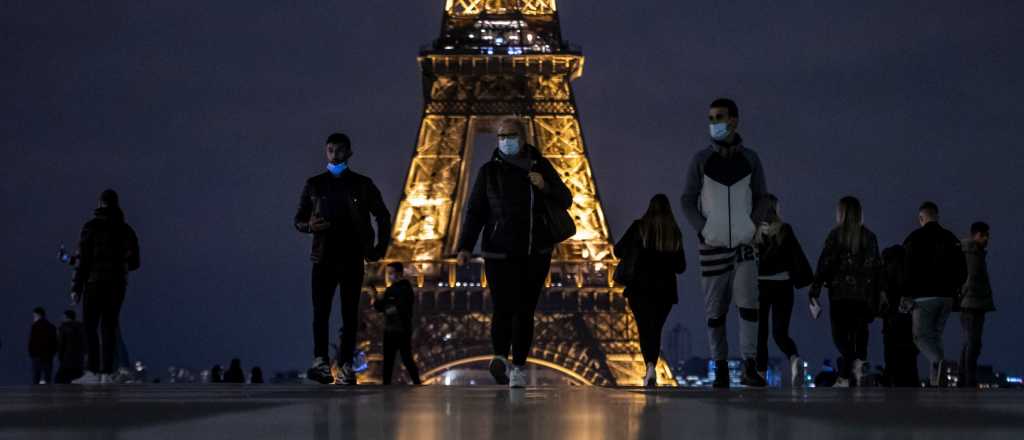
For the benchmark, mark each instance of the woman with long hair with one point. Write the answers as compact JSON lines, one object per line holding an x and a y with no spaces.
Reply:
{"x":653,"y":248}
{"x":782,"y":268}
{"x":851,"y":268}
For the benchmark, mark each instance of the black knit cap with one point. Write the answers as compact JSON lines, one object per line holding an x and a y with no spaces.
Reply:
{"x":339,"y":139}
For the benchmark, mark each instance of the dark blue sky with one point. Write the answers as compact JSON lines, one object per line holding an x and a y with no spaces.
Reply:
{"x":208,"y":116}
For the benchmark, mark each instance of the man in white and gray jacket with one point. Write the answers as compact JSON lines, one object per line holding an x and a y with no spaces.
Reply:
{"x":723,"y":184}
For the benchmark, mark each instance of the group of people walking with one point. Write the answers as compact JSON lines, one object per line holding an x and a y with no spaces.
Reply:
{"x":748,"y":257}
{"x":751,"y":258}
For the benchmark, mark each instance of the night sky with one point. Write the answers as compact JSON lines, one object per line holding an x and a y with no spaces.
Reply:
{"x":208,"y":116}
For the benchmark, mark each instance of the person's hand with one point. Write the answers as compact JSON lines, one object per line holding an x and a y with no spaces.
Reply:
{"x":536,"y":179}
{"x":76,"y":297}
{"x":462,"y":258}
{"x":318,"y":224}
{"x":883,"y":303}
{"x":907,"y":304}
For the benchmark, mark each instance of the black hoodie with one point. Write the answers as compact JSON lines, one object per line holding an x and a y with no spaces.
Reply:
{"x":108,"y":249}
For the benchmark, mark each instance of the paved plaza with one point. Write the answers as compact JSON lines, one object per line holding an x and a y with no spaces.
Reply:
{"x":452,"y":413}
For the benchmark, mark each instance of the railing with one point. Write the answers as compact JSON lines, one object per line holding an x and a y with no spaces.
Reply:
{"x":447,"y":273}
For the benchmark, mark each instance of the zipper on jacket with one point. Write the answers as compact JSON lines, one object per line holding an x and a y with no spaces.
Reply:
{"x":728,"y":193}
{"x":529,"y":242}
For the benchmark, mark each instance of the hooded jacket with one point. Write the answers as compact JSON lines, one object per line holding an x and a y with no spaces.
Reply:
{"x":509,"y":209}
{"x":935,"y":263}
{"x":977,"y":291}
{"x":347,"y":201}
{"x":107,"y":251}
{"x":723,"y":184}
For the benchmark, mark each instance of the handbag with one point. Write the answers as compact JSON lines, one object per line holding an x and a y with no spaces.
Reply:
{"x":625,"y":271}
{"x":561,"y":223}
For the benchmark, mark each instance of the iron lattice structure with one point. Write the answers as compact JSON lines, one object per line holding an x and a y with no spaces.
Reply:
{"x":497,"y":59}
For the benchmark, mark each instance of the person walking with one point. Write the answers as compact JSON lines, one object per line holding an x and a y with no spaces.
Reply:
{"x":936,"y":271}
{"x":975,"y":301}
{"x":234,"y":374}
{"x":782,"y":268}
{"x":520,"y":205}
{"x":725,"y":184}
{"x":851,"y":268}
{"x":335,"y":207}
{"x":897,"y":326}
{"x":256,"y":376}
{"x":396,"y":305}
{"x":652,"y":250}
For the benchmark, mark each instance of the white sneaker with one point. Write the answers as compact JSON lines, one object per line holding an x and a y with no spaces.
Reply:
{"x":89,"y":378}
{"x":518,"y":377}
{"x":651,"y":378}
{"x":842,"y":383}
{"x":796,"y":371}
{"x":106,"y":379}
{"x":858,"y":370}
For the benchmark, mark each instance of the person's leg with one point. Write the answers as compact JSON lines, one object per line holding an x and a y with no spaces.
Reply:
{"x":91,"y":311}
{"x":37,"y":371}
{"x":839,"y":315}
{"x":390,"y":348}
{"x":745,"y":295}
{"x":405,"y":348}
{"x":536,"y":271}
{"x":926,"y":317}
{"x":323,"y":285}
{"x":717,"y":266}
{"x":48,"y":370}
{"x":972,"y":322}
{"x":763,"y":313}
{"x":782,"y":313}
{"x":860,"y":332}
{"x":110,"y":321}
{"x":351,"y":286}
{"x":641,"y":314}
{"x":503,"y":283}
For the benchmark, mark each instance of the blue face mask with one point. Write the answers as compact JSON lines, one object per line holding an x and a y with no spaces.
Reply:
{"x":336,"y":170}
{"x":719,"y":131}
{"x":509,"y":146}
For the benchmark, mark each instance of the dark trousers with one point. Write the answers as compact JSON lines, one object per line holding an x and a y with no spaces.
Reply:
{"x":850,"y":321}
{"x":42,"y":369}
{"x":516,"y":284}
{"x":400,"y":342}
{"x":900,"y":350}
{"x":101,"y":310}
{"x":972,"y":323}
{"x":776,"y":299}
{"x":346,"y":277}
{"x":650,"y":316}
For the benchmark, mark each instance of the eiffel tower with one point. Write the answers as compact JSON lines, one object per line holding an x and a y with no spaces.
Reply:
{"x":497,"y":59}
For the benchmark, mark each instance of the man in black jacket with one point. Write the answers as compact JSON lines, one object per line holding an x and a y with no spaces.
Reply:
{"x":335,"y":206}
{"x":107,"y":251}
{"x":71,"y":348}
{"x":935,"y":272}
{"x":42,"y":345}
{"x":396,"y":305}
{"x":509,"y":204}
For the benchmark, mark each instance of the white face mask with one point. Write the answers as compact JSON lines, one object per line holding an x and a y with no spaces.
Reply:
{"x":509,"y":146}
{"x":719,"y":131}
